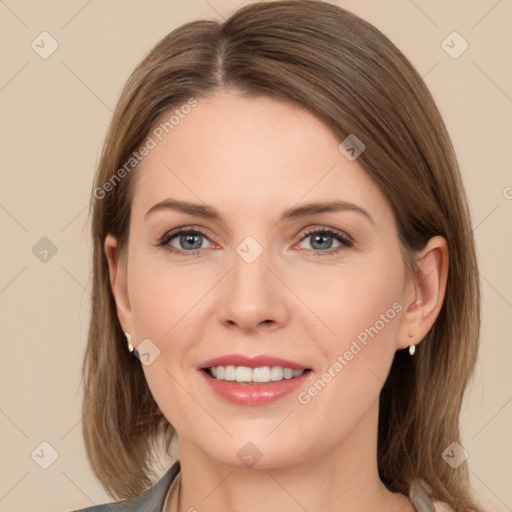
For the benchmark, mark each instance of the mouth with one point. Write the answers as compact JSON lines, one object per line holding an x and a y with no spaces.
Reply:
{"x":255,"y":376}
{"x":253,"y":380}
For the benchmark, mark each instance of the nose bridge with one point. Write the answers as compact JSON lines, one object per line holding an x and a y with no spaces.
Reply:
{"x":253,"y":294}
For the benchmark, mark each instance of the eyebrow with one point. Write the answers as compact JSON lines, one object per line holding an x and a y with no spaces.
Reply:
{"x":202,"y":210}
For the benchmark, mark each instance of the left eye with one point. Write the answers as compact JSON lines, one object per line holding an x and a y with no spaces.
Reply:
{"x":322,"y":238}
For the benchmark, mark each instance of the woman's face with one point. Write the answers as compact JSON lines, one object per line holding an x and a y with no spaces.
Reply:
{"x":266,"y":277}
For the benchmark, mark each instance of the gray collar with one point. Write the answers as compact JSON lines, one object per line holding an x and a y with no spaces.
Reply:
{"x":150,"y":500}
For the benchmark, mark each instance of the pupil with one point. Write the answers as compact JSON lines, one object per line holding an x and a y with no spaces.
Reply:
{"x":190,"y":239}
{"x":315,"y":238}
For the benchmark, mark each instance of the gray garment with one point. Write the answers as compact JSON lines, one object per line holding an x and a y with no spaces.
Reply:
{"x":153,"y":498}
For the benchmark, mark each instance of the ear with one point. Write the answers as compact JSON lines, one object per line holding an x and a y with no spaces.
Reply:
{"x":118,"y":283}
{"x":424,"y":292}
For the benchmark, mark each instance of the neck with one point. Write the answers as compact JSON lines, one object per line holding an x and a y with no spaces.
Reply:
{"x":343,"y":479}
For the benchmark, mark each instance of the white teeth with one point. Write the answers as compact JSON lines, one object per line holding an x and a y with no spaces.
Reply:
{"x":229,"y":373}
{"x":243,"y":374}
{"x":288,"y":373}
{"x":276,"y":373}
{"x":247,"y":374}
{"x":261,"y":374}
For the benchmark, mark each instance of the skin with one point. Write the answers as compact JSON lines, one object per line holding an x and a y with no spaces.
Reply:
{"x":251,"y":159}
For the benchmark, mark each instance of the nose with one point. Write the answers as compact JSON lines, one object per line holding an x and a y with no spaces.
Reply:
{"x":254,"y":296}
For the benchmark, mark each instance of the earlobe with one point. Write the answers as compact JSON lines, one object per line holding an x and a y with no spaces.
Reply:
{"x":118,"y":284}
{"x":425,"y":300}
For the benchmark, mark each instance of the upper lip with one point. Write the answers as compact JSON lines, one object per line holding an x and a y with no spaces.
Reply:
{"x":251,"y":362}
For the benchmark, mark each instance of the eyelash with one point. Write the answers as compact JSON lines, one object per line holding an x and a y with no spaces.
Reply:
{"x":345,"y":241}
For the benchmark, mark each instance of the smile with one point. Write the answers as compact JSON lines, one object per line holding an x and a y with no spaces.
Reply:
{"x":250,"y":391}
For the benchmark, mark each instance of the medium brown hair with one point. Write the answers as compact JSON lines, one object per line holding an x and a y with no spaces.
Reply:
{"x":353,"y":78}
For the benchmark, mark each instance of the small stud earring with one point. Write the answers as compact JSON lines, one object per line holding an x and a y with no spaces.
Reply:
{"x":412,"y":347}
{"x":128,"y":340}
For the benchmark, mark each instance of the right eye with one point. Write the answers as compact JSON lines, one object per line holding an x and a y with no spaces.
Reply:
{"x":189,"y":240}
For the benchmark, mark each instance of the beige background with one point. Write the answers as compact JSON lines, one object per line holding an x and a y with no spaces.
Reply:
{"x":55,"y":113}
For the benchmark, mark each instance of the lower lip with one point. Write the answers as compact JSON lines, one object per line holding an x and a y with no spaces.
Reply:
{"x":254,"y":393}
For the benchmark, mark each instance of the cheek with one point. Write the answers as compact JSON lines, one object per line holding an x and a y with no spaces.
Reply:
{"x":162,"y":302}
{"x":160,"y":296}
{"x":361,"y":306}
{"x":353,"y":303}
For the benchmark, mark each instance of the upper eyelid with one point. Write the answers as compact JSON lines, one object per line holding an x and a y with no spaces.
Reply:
{"x":333,"y":231}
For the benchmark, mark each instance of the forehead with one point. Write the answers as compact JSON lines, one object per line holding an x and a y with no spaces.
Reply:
{"x":234,"y":152}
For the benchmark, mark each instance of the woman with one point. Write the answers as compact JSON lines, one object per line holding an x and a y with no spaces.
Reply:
{"x":284,"y":277}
